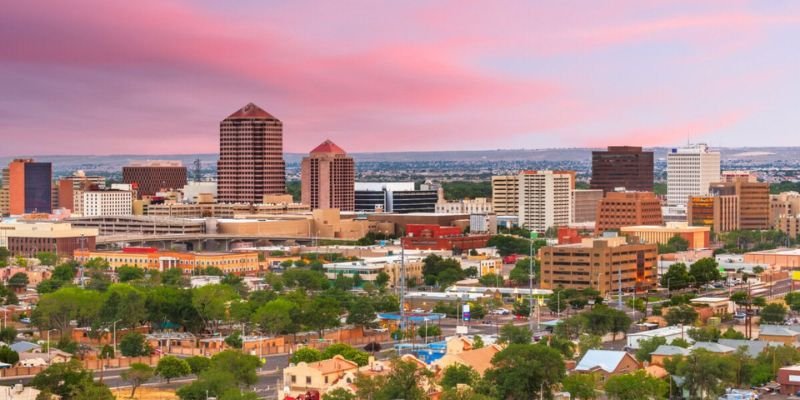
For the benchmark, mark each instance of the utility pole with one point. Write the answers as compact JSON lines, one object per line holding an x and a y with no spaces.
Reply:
{"x":619,"y":288}
{"x":402,"y":288}
{"x":534,"y":235}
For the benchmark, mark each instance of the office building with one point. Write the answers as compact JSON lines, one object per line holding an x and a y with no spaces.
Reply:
{"x":483,"y":223}
{"x":505,"y":194}
{"x":720,"y":212}
{"x":328,"y":178}
{"x":466,"y":206}
{"x":368,"y":268}
{"x":433,"y":237}
{"x":620,"y":209}
{"x":251,"y":156}
{"x":150,"y":258}
{"x":30,"y":187}
{"x":788,"y":224}
{"x":698,"y":237}
{"x":732,"y":205}
{"x":101,"y":203}
{"x":545,"y":199}
{"x":4,"y":192}
{"x":625,"y":167}
{"x":585,"y":203}
{"x":394,"y":197}
{"x":738,"y":176}
{"x":28,"y":238}
{"x":690,"y":171}
{"x":79,"y":181}
{"x":601,"y":264}
{"x":784,"y":204}
{"x":150,"y":177}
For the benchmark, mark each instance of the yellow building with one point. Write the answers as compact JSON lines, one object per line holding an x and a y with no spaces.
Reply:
{"x":369,"y":268}
{"x":697,"y":236}
{"x":151,"y":258}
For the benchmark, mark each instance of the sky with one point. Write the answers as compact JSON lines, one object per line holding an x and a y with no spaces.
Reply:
{"x":157,"y":76}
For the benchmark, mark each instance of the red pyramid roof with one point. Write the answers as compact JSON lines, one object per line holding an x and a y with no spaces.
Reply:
{"x":251,"y":111}
{"x":328,"y":147}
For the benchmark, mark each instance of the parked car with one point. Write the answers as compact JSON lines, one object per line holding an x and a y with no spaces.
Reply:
{"x":501,"y":311}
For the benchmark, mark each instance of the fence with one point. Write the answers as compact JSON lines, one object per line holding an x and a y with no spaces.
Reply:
{"x":123,"y":362}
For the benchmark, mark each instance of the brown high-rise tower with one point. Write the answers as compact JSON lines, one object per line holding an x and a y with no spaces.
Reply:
{"x":622,"y":167}
{"x":328,"y":178}
{"x":250,"y":156}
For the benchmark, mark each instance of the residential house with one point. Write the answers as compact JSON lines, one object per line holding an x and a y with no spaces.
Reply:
{"x":479,"y":359}
{"x":713,"y":347}
{"x":319,"y":376}
{"x":25,"y":347}
{"x":666,"y":351}
{"x":780,"y":334}
{"x":752,"y":347}
{"x":607,"y":363}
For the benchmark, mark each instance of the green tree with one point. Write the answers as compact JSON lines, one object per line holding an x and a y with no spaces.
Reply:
{"x":65,"y":272}
{"x":198,"y":364}
{"x":706,"y":334}
{"x":459,"y":374}
{"x":47,"y":258}
{"x":648,"y":346}
{"x":71,"y":381}
{"x":56,"y":310}
{"x":241,"y":366}
{"x":382,"y":279}
{"x":238,"y":394}
{"x":361,"y":312}
{"x":512,"y":334}
{"x":136,"y":375}
{"x":477,"y":342}
{"x":519,"y":274}
{"x":276,"y":317}
{"x":321,"y":313}
{"x":581,"y":386}
{"x":404,"y":382}
{"x":170,"y":367}
{"x":8,"y":356}
{"x":4,"y":254}
{"x":305,"y":354}
{"x":706,"y":374}
{"x":524,"y":371}
{"x":348,"y":352}
{"x":428,"y":331}
{"x":564,"y":346}
{"x":740,"y":297}
{"x":8,"y":334}
{"x":677,"y":277}
{"x":173,"y":277}
{"x":705,"y":270}
{"x":635,"y":386}
{"x":234,"y":340}
{"x":683,"y":314}
{"x":491,"y":280}
{"x":210,"y":302}
{"x":124,"y":303}
{"x":731,"y":333}
{"x":588,"y":342}
{"x":18,"y":281}
{"x":773,"y":313}
{"x":127,"y":273}
{"x":134,"y":345}
{"x":339,"y":394}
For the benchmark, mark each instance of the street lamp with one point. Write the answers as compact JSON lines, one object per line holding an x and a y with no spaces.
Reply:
{"x":114,"y":325}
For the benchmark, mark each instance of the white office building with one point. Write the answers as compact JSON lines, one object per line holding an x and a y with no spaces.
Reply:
{"x":545,"y":199}
{"x":689,"y":172}
{"x":104,"y":203}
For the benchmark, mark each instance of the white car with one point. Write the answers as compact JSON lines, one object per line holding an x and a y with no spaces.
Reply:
{"x":501,"y":311}
{"x":418,"y":311}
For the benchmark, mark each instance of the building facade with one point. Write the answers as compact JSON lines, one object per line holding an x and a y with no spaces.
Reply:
{"x":690,"y":171}
{"x":505,"y":194}
{"x":251,"y":156}
{"x":394,"y":197}
{"x":720,"y":213}
{"x":784,"y":204}
{"x":370,"y":267}
{"x":4,"y":192}
{"x":30,"y":187}
{"x":754,"y":201}
{"x":545,"y":199}
{"x":625,"y":167}
{"x":585,"y":203}
{"x":620,"y":209}
{"x":121,"y":225}
{"x":150,"y":177}
{"x":601,"y":264}
{"x":466,"y":206}
{"x":100,"y":203}
{"x":328,"y":178}
{"x":239,"y":263}
{"x":698,"y":237}
{"x":27,"y":239}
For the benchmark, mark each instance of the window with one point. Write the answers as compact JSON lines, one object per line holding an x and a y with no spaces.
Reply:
{"x":308,"y":380}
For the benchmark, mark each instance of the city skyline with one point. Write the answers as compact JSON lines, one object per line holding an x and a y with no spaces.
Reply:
{"x":399,"y":77}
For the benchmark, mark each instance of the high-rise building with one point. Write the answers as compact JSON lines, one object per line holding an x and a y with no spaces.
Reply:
{"x":505,"y":194}
{"x":620,"y":209}
{"x":328,"y":178}
{"x":690,"y":171}
{"x":545,"y":199}
{"x":68,"y":186}
{"x":4,"y":192}
{"x":250,"y":156}
{"x":720,"y":211}
{"x":107,"y":203}
{"x":603,"y":264}
{"x":585,"y":202}
{"x":622,"y":167}
{"x":30,"y":187}
{"x":150,"y":177}
{"x":394,"y":197}
{"x":736,"y":204}
{"x":784,"y":204}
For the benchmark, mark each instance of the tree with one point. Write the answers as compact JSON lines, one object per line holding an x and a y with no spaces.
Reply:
{"x":339,"y":394}
{"x":773,"y":313}
{"x":477,"y":342}
{"x":210,"y":303}
{"x":127,"y":273}
{"x":523,"y":371}
{"x":428,"y":331}
{"x":382,"y":279}
{"x":56,"y":310}
{"x":648,"y":346}
{"x":234,"y":340}
{"x":361,"y":312}
{"x":173,"y":277}
{"x":8,"y":356}
{"x":740,"y":297}
{"x":677,"y":277}
{"x":276,"y":316}
{"x":4,"y":254}
{"x":348,"y":352}
{"x":459,"y":374}
{"x":198,"y":364}
{"x":239,"y":394}
{"x":635,"y":386}
{"x":47,"y":258}
{"x":491,"y":280}
{"x":521,"y":271}
{"x":581,"y":386}
{"x":792,"y":299}
{"x":71,"y":381}
{"x":512,"y":334}
{"x":706,"y":334}
{"x":170,"y":367}
{"x":134,"y":345}
{"x":678,"y":243}
{"x":8,"y":334}
{"x":305,"y":354}
{"x":404,"y":381}
{"x":18,"y":281}
{"x":682,"y":314}
{"x":706,"y":374}
{"x":705,"y":270}
{"x":588,"y":342}
{"x":441,"y":272}
{"x":136,"y":375}
{"x":321,"y":313}
{"x":65,"y":272}
{"x":564,"y":346}
{"x":241,"y":366}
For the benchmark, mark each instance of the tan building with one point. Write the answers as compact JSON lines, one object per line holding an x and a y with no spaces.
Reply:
{"x":222,"y":210}
{"x":323,"y":223}
{"x":620,"y":209}
{"x":720,"y":213}
{"x":4,"y":192}
{"x":607,"y":363}
{"x":250,"y":156}
{"x":370,"y":267}
{"x":786,"y":204}
{"x":480,"y":205}
{"x":545,"y":199}
{"x":26,"y":239}
{"x":118,"y":225}
{"x":789,"y":224}
{"x":754,"y":201}
{"x":781,"y":258}
{"x":328,"y":178}
{"x":697,"y":236}
{"x":599,"y":264}
{"x":505,"y":194}
{"x":239,"y":263}
{"x":319,"y":376}
{"x":585,"y":202}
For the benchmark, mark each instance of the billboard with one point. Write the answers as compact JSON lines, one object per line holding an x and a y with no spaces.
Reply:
{"x":465,"y":312}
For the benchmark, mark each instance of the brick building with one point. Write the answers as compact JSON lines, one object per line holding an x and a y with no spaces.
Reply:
{"x":29,"y":187}
{"x":150,"y":177}
{"x":620,"y":209}
{"x":328,"y":178}
{"x":622,"y":167}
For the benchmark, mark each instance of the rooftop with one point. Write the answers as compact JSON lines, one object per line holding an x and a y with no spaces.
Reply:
{"x":777,"y":330}
{"x":607,"y":360}
{"x":251,"y":111}
{"x":328,"y":147}
{"x":667,"y":350}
